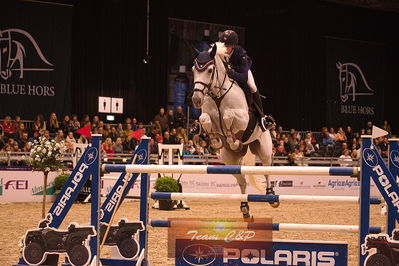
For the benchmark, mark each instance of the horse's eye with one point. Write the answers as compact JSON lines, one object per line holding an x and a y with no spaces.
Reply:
{"x":210,"y":71}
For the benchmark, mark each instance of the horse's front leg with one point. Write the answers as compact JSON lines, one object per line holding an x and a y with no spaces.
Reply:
{"x":206,"y":123}
{"x":235,"y":120}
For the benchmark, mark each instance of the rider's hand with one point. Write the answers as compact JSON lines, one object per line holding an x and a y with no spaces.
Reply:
{"x":230,"y":73}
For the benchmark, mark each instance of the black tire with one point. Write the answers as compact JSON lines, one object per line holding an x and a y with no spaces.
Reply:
{"x":128,"y":248}
{"x":33,"y":253}
{"x":78,"y":255}
{"x":378,"y":259}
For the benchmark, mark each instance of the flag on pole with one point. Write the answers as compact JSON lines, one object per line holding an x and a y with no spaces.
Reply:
{"x":137,"y":134}
{"x":85,"y":131}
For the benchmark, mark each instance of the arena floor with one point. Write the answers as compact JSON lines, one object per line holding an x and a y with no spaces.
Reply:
{"x":16,"y":218}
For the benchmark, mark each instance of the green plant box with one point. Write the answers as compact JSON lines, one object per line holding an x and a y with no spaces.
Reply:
{"x":166,"y":205}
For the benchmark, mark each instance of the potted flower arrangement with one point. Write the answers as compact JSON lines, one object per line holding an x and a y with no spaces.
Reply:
{"x":166,"y":184}
{"x":46,"y":156}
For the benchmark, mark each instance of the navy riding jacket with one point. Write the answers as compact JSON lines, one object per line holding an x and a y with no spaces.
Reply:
{"x":240,"y":63}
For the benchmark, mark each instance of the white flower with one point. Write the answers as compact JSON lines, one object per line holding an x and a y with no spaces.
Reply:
{"x":37,"y":159}
{"x":47,"y":169}
{"x":44,"y":150}
{"x":23,"y":157}
{"x":39,"y":148}
{"x":49,"y":153}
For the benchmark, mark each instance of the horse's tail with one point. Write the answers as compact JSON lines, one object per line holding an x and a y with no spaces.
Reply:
{"x":254,"y":181}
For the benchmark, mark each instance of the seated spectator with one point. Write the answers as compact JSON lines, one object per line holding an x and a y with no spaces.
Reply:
{"x":293,"y":139}
{"x":82,"y":139}
{"x":182,"y":135}
{"x":340,"y":136}
{"x":85,"y":120}
{"x":332,"y":133}
{"x":163,"y":120}
{"x":66,"y":124}
{"x":297,"y":154}
{"x":345,"y":158}
{"x":166,"y":138}
{"x":387,"y":127}
{"x":120,"y":133}
{"x":107,"y":131}
{"x":309,"y":149}
{"x":134,"y":124}
{"x":95,"y":121}
{"x":179,"y":117}
{"x":60,"y":136}
{"x":153,"y":147}
{"x":40,"y":123}
{"x":349,"y":134}
{"x":8,"y":127}
{"x":128,"y":129}
{"x":287,"y":145}
{"x":173,"y":136}
{"x":383,"y":145}
{"x":128,"y":121}
{"x":171,"y":118}
{"x":53,"y":124}
{"x":70,"y":138}
{"x":204,"y":147}
{"x":18,"y":131}
{"x":46,"y":134}
{"x":107,"y":147}
{"x":118,"y":146}
{"x":198,"y":152}
{"x":280,"y":150}
{"x":17,"y":122}
{"x":22,"y":140}
{"x":130,"y":144}
{"x":113,"y":134}
{"x":369,"y":126}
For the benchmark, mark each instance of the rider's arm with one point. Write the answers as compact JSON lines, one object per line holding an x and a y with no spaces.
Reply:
{"x":240,"y":73}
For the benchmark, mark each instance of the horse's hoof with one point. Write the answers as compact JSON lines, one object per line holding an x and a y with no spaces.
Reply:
{"x":274,"y":204}
{"x":248,"y":218}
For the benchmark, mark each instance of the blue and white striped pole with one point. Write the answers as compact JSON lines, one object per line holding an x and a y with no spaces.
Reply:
{"x":258,"y":197}
{"x":234,"y":169}
{"x":286,"y":227}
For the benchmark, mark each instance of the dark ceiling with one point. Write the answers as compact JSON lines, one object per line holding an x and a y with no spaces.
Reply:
{"x":383,"y":5}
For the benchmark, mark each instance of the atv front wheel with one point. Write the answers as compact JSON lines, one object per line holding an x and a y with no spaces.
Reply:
{"x":33,"y":253}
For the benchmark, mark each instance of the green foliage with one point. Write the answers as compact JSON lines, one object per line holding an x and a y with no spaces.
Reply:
{"x":46,"y":155}
{"x":60,"y":181}
{"x":166,"y":184}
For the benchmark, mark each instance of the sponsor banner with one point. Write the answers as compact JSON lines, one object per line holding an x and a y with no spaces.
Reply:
{"x":25,"y":186}
{"x":216,"y":233}
{"x":354,"y":82}
{"x":202,"y":183}
{"x":256,"y":253}
{"x":35,"y":55}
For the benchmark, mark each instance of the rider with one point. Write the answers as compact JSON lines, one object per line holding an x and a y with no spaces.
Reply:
{"x":240,"y":71}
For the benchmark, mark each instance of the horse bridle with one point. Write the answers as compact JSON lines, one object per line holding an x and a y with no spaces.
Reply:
{"x":202,"y":67}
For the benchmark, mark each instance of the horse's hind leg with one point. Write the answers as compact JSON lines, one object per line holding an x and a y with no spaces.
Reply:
{"x":263,"y":148}
{"x":230,"y":157}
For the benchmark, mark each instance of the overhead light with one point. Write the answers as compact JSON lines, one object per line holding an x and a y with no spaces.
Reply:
{"x":110,"y":118}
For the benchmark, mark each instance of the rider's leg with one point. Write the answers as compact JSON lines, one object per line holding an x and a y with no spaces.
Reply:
{"x":266,"y":122}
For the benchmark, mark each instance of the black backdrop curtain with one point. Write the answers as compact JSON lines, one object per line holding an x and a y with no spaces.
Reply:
{"x":286,"y":40}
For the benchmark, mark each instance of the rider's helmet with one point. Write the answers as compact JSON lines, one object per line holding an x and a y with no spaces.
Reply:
{"x":229,"y":38}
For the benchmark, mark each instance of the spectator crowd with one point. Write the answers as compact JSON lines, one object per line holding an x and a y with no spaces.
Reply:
{"x":170,"y":128}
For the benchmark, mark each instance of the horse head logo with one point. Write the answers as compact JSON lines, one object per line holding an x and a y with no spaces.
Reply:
{"x":348,"y":81}
{"x":13,"y":52}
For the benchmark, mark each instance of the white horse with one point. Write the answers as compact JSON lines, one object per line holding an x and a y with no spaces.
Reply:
{"x":225,"y":116}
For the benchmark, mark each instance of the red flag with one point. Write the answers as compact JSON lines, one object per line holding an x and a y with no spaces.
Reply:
{"x":137,"y":134}
{"x":84,"y":131}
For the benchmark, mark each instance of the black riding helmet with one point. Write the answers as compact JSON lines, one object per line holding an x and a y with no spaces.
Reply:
{"x":229,"y":38}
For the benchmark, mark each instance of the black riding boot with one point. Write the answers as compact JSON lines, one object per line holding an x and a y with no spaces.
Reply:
{"x":265,"y":122}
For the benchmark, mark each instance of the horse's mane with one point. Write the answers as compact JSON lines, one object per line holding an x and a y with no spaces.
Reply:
{"x":221,"y":51}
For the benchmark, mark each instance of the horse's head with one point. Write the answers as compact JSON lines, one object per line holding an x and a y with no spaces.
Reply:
{"x":208,"y":68}
{"x":204,"y":74}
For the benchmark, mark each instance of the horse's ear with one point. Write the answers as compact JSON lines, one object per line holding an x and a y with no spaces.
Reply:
{"x":196,"y":52}
{"x":339,"y":65}
{"x":213,"y":51}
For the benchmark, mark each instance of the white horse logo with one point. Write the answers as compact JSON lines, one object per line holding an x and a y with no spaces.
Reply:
{"x":348,"y":82}
{"x":12,"y":53}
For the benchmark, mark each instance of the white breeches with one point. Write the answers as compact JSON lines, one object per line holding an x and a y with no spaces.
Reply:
{"x":251,"y":82}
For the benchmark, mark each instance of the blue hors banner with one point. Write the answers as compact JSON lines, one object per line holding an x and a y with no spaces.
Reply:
{"x":35,"y":52}
{"x":258,"y":253}
{"x":354,"y":82}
